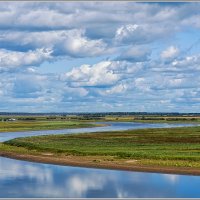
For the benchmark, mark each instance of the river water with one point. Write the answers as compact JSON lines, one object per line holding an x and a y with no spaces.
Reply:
{"x":112,"y":126}
{"x":21,"y":179}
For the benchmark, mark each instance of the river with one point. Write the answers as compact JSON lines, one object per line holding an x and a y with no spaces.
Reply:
{"x":21,"y":179}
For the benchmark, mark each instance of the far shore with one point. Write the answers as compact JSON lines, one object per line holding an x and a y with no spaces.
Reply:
{"x":93,"y":162}
{"x":21,"y":126}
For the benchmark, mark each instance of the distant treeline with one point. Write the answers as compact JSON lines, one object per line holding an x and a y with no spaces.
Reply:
{"x":20,"y":118}
{"x":101,"y":114}
{"x":166,"y":119}
{"x":26,"y":118}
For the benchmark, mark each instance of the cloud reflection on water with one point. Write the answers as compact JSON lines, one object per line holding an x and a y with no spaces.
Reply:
{"x":26,"y":179}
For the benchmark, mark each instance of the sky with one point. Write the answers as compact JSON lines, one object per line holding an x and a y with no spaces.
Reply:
{"x":99,"y":57}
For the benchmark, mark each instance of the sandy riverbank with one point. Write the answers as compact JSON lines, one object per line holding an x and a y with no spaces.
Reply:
{"x":100,"y":162}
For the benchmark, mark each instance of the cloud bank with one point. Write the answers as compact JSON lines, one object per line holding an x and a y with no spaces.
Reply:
{"x":99,"y":56}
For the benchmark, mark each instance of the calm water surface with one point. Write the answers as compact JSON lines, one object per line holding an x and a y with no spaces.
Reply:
{"x":28,"y":180}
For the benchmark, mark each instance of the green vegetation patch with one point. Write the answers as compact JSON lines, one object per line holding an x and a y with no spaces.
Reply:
{"x":41,"y":125}
{"x":163,"y":146}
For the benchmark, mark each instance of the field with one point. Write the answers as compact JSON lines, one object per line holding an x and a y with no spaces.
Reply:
{"x":154,"y":119}
{"x":46,"y":122}
{"x":172,"y":147}
{"x":20,"y":125}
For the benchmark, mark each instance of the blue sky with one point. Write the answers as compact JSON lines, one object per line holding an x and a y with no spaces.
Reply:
{"x":99,"y":56}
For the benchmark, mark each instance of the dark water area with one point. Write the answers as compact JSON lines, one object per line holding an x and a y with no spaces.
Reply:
{"x":21,"y":179}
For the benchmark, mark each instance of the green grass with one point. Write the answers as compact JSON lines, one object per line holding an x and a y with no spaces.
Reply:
{"x":41,"y":125}
{"x":23,"y":123}
{"x":158,"y":119}
{"x":166,"y":147}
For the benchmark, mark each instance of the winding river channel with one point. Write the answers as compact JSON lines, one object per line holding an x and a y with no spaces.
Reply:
{"x":21,"y":179}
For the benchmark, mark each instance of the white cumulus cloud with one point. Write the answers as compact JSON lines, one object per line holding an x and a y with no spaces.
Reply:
{"x":170,"y":53}
{"x":14,"y":59}
{"x":99,"y":74}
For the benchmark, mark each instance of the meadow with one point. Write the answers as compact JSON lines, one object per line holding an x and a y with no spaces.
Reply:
{"x":175,"y":147}
{"x":31,"y":123}
{"x":22,"y":125}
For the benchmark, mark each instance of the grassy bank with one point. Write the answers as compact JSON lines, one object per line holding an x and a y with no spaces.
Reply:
{"x":153,"y":119}
{"x":172,"y":147}
{"x":32,"y":122}
{"x":41,"y":125}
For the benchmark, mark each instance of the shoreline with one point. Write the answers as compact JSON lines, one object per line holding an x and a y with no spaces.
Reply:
{"x":85,"y":162}
{"x":54,"y":129}
{"x":101,"y":124}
